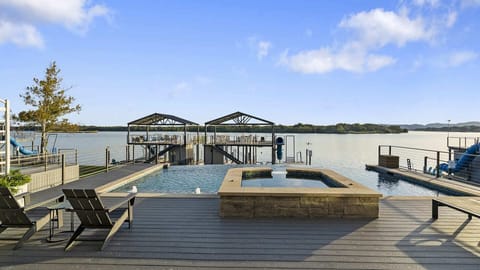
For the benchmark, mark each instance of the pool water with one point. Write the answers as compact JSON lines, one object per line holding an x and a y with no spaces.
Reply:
{"x":186,"y":179}
{"x":182,"y":179}
{"x":286,"y":182}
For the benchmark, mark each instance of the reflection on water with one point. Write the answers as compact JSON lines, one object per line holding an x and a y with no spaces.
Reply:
{"x":283,"y":182}
{"x":392,"y":185}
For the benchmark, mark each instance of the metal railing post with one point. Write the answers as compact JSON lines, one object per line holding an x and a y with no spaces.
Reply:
{"x":425,"y":160}
{"x":133,"y":153}
{"x":45,"y":161}
{"x":438,"y":164}
{"x":127,"y":153}
{"x":63,"y":169}
{"x":389,"y":150}
{"x":107,"y":158}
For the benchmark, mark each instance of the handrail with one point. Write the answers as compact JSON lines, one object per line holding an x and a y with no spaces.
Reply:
{"x":412,"y":148}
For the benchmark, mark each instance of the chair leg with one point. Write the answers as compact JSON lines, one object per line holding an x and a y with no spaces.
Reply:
{"x":114,"y":229}
{"x":74,"y":236}
{"x":130,"y":215}
{"x":26,"y":236}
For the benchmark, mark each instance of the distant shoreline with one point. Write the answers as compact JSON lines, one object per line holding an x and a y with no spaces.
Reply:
{"x":340,"y":128}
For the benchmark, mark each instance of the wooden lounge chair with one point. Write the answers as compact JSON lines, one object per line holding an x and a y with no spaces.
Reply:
{"x":14,"y":216}
{"x":93,"y":214}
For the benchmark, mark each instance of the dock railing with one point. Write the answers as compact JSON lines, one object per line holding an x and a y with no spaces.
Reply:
{"x":429,"y":161}
{"x":461,"y":142}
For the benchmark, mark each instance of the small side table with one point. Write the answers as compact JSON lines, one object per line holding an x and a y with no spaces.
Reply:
{"x":56,"y":216}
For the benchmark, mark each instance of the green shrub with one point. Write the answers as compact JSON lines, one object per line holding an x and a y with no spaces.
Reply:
{"x":14,"y":179}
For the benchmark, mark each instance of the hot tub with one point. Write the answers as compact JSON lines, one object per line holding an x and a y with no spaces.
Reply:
{"x":337,"y":196}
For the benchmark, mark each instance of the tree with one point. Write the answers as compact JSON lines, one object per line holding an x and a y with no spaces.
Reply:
{"x":49,"y":102}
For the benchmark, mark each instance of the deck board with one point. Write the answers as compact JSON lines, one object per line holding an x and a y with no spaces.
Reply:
{"x":187,"y":233}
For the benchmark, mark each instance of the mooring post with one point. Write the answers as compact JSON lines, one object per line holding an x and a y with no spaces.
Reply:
{"x":438,"y":164}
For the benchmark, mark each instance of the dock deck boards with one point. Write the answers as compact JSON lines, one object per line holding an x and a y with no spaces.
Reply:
{"x":187,"y":233}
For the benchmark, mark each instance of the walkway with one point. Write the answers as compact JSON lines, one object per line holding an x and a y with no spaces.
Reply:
{"x":99,"y":181}
{"x":187,"y":233}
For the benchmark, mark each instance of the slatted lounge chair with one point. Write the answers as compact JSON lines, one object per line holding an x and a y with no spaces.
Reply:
{"x":94,"y":214}
{"x":14,"y":216}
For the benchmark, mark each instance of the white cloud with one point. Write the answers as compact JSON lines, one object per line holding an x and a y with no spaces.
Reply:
{"x":263,"y":48}
{"x":325,"y":60}
{"x":371,"y":31}
{"x":420,"y":3}
{"x":451,"y":18}
{"x":377,"y":28}
{"x":20,"y":34}
{"x":75,"y":15}
{"x":461,"y":57}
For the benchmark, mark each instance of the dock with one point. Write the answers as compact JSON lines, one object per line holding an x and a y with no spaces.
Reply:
{"x":101,"y":182}
{"x":187,"y":233}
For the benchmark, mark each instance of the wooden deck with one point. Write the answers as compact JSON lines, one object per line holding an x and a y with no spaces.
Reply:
{"x":187,"y":233}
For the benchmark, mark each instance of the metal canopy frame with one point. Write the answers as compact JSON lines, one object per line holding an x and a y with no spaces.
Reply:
{"x":158,"y":119}
{"x":238,"y":118}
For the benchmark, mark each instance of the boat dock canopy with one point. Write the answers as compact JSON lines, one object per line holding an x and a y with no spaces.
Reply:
{"x":240,"y":149}
{"x":239,"y":118}
{"x":162,"y":119}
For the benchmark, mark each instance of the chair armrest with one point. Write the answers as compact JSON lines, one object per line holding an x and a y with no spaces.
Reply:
{"x":58,"y":198}
{"x":25,"y":196}
{"x":112,"y":203}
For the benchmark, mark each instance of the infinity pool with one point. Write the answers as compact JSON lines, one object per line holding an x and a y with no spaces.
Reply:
{"x":186,"y":179}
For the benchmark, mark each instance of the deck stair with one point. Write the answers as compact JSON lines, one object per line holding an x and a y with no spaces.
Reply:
{"x":226,"y":154}
{"x":161,"y":153}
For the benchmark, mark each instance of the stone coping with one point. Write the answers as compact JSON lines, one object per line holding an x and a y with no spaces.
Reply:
{"x":129,"y":178}
{"x":232,"y":184}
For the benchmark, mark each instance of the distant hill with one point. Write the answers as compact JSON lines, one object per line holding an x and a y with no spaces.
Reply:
{"x":471,"y":125}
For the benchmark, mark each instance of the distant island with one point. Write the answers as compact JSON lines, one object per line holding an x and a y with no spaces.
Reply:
{"x":472,"y":126}
{"x":340,"y":128}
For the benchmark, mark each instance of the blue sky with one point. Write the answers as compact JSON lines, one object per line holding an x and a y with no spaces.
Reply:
{"x":319,"y":62}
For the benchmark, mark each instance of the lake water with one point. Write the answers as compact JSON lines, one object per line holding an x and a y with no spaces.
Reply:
{"x":344,"y":153}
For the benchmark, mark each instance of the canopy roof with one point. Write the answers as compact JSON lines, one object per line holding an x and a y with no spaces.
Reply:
{"x":239,"y":118}
{"x":161,"y":120}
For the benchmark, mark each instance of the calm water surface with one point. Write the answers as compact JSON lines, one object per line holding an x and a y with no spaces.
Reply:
{"x":346,"y":154}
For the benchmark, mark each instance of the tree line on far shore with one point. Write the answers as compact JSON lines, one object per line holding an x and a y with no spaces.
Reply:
{"x":340,"y":128}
